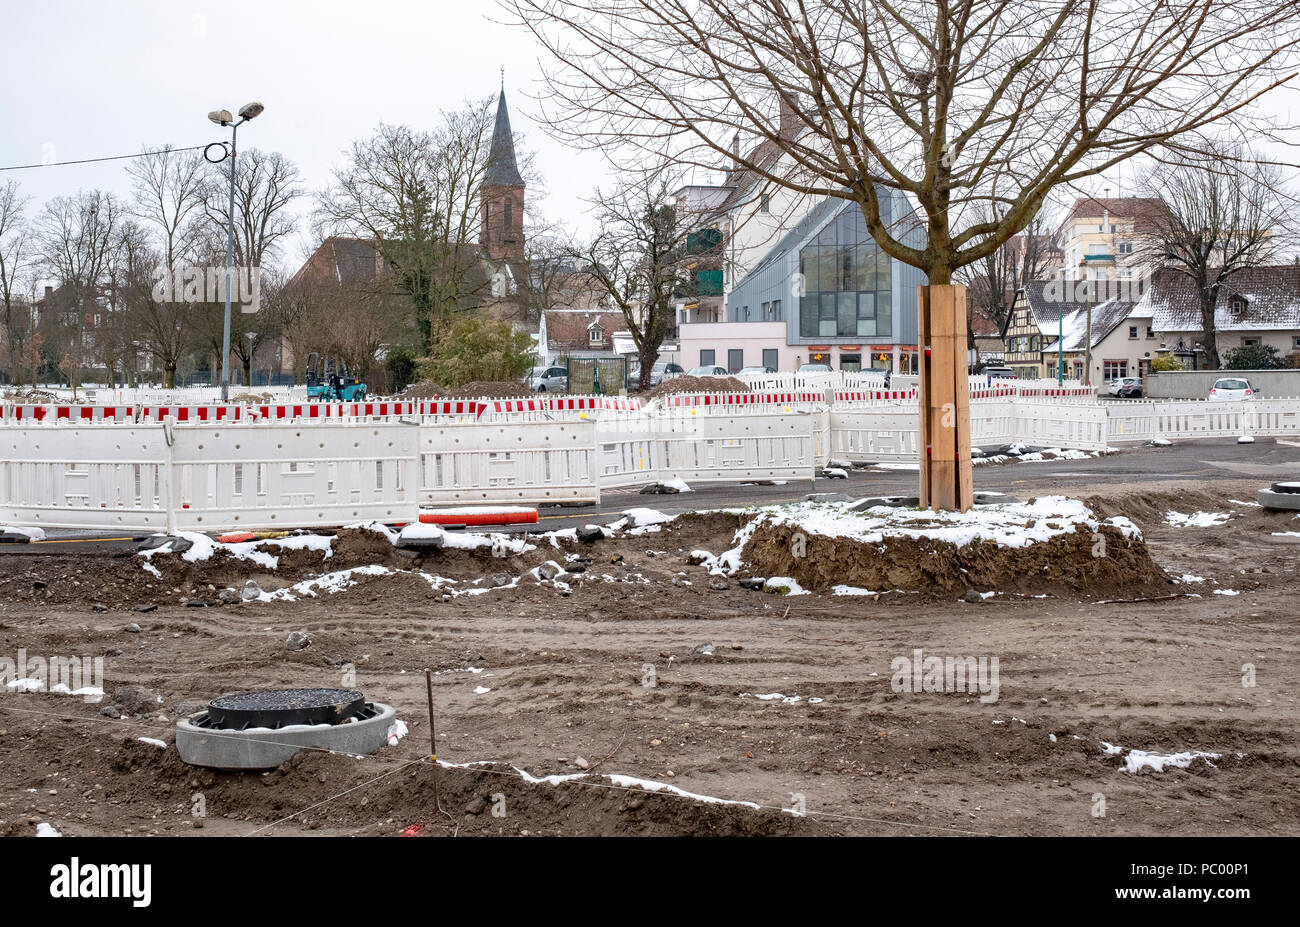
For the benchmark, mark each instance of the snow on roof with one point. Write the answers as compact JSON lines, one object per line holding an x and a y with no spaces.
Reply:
{"x":1250,"y":300}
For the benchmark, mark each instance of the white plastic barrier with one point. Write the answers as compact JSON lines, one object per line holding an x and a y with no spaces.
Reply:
{"x":886,"y":432}
{"x":298,"y":475}
{"x":85,"y":476}
{"x":535,"y":462}
{"x":1145,"y":420}
{"x":676,"y":443}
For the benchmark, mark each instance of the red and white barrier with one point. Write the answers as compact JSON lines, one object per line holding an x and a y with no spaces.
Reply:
{"x":477,"y":515}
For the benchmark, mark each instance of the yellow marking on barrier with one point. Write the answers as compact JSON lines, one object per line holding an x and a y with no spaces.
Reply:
{"x":81,"y":540}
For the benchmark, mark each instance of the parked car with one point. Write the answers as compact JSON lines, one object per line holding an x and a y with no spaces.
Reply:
{"x":1126,"y":387}
{"x":1232,"y":388}
{"x":708,"y":371}
{"x":658,"y":373}
{"x":814,"y":368}
{"x":549,"y":380}
{"x":1000,"y":373}
{"x":760,"y":370}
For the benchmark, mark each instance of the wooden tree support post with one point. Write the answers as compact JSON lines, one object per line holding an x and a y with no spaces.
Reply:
{"x":944,"y":442}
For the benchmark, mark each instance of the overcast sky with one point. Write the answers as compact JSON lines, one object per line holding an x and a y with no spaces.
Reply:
{"x":85,"y":80}
{"x":91,"y":79}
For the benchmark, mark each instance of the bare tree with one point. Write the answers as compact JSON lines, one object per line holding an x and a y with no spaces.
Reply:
{"x":168,"y":190}
{"x":956,"y":103}
{"x":266,"y":186}
{"x":1225,"y":214}
{"x":77,"y":237}
{"x":416,"y":195}
{"x":638,"y":260}
{"x":15,"y":263}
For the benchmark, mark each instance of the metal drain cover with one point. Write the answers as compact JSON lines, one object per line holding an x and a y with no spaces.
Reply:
{"x":275,"y":708}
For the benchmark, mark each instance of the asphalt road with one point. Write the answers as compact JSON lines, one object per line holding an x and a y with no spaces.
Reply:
{"x":1267,"y":460}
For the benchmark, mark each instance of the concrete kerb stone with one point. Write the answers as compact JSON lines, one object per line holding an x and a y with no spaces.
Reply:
{"x":267,"y":748}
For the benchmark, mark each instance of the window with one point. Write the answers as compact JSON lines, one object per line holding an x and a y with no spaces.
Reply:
{"x":1133,"y":332}
{"x":595,"y":335}
{"x":1295,"y":342}
{"x":1126,"y":247}
{"x":1112,"y":369}
{"x":776,"y":310}
{"x":1150,"y":333}
{"x":847,"y":281}
{"x":1250,"y":342}
{"x":767,"y":310}
{"x":764,"y":203}
{"x":735,"y":359}
{"x":510,"y":215}
{"x":1238,"y":305}
{"x":770,"y":355}
{"x":706,"y":357}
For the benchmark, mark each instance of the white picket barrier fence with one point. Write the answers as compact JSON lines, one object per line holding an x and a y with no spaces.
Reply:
{"x":680,"y":443}
{"x":267,"y":472}
{"x":187,"y":477}
{"x":1173,"y":419}
{"x":532,"y":462}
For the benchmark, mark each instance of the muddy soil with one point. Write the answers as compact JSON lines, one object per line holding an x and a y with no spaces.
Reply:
{"x":793,"y":705}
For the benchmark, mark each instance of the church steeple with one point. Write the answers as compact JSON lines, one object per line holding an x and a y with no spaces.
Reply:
{"x":502,"y":170}
{"x":501,"y":229}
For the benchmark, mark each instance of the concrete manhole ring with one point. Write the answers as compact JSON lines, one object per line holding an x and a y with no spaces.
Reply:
{"x":1271,"y":499}
{"x":267,"y":748}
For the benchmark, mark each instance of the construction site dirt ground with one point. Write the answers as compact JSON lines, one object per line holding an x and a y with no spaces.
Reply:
{"x":529,"y":678}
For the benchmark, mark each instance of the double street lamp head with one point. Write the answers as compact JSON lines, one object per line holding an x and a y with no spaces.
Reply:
{"x":222,"y":117}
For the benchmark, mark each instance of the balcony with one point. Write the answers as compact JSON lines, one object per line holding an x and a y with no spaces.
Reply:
{"x":1097,"y":259}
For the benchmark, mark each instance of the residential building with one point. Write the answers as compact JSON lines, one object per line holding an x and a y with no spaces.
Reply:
{"x":801,"y":280}
{"x":565,"y":333}
{"x":1123,"y":344}
{"x":1037,"y":315}
{"x":1256,"y":306}
{"x":1102,"y":239}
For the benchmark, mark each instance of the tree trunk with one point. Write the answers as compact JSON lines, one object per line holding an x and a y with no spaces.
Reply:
{"x":647,"y":368}
{"x":1210,"y":333}
{"x":944,"y":439}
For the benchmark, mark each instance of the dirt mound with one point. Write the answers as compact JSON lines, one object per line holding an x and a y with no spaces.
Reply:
{"x":121,"y":580}
{"x":425,"y":389}
{"x":1065,"y":564}
{"x":687,"y":384}
{"x":490,"y":389}
{"x":1147,"y":504}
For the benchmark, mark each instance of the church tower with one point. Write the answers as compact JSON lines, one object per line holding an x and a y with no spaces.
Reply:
{"x":501,"y":230}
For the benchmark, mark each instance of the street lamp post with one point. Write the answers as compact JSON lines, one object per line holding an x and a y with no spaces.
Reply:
{"x":251,"y":336}
{"x":222,"y":117}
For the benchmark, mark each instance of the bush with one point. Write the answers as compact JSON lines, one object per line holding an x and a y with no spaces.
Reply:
{"x":401,"y":362}
{"x":1253,"y":357}
{"x":1163,"y":362}
{"x":477,"y":349}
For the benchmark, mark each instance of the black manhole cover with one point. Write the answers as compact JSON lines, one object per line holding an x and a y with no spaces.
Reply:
{"x":275,"y":708}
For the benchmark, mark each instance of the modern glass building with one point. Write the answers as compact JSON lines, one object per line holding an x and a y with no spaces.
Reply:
{"x":844,"y":302}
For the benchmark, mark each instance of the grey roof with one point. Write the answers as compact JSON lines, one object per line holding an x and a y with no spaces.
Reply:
{"x":1106,"y":317}
{"x":1050,"y":299}
{"x":1271,"y":294}
{"x":502,"y":169}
